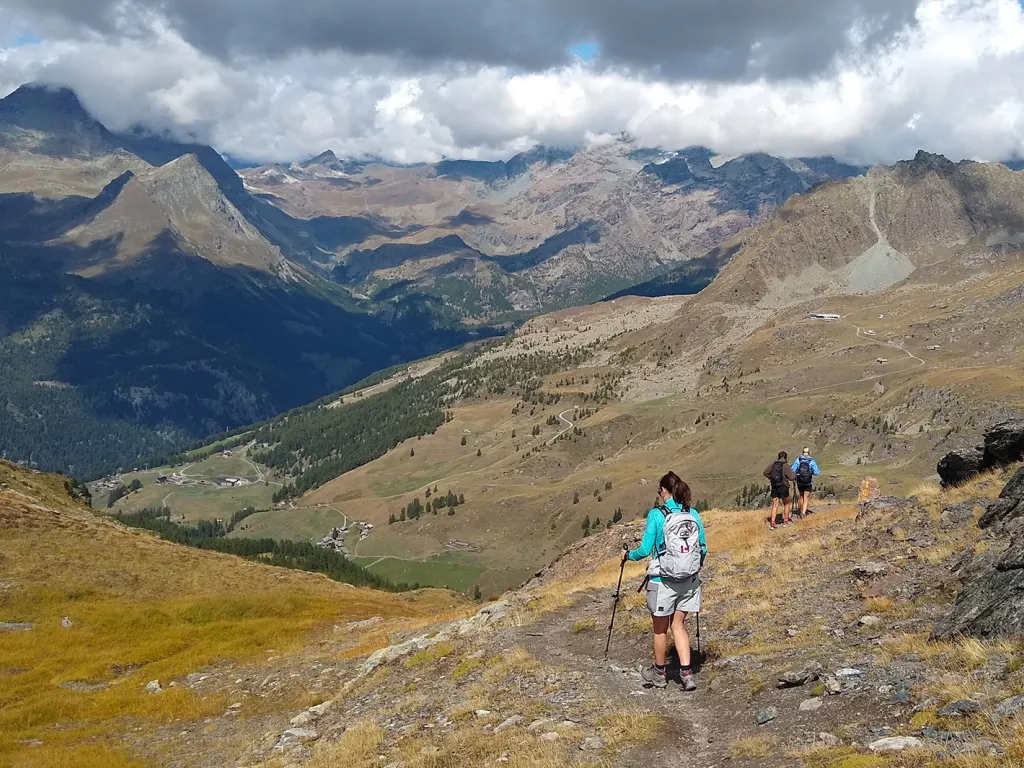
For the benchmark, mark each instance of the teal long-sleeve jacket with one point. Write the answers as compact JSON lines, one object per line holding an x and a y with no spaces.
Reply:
{"x":654,"y":535}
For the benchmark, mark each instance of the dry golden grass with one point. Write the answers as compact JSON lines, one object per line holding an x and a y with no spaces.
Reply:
{"x":414,"y":702}
{"x":754,"y":746}
{"x":357,"y":748}
{"x":745,"y":611}
{"x":966,"y":653}
{"x":561,"y":594}
{"x":430,"y":655}
{"x":471,"y":746}
{"x":879,"y":604}
{"x":934,"y":498}
{"x":584,"y":625}
{"x":516,"y":661}
{"x":895,"y":610}
{"x":941,"y":552}
{"x":367,"y":645}
{"x":466,"y":666}
{"x":476,"y":700}
{"x":141,"y":609}
{"x":839,"y":757}
{"x":633,"y":726}
{"x":743,"y":534}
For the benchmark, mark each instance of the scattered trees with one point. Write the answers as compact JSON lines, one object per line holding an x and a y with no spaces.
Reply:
{"x":435,"y":503}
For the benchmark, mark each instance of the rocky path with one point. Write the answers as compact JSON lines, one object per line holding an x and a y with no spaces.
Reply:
{"x":687,"y":732}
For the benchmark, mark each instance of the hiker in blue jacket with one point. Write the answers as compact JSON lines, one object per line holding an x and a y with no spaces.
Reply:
{"x":669,"y":602}
{"x":806,"y":469}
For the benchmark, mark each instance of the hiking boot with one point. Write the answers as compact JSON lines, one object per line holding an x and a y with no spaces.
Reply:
{"x":771,"y":525}
{"x":654,"y":677}
{"x":686,"y":680}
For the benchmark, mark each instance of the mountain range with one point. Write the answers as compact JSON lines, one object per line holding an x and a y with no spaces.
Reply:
{"x":151,"y":296}
{"x":156,"y":296}
{"x":549,"y":228}
{"x":876,"y":320}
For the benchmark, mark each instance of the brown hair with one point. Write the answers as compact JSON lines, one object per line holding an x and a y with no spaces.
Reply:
{"x":680,"y":490}
{"x":783,"y":455}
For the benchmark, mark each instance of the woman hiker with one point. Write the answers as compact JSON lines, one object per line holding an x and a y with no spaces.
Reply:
{"x":806,"y":469}
{"x":673,"y":581}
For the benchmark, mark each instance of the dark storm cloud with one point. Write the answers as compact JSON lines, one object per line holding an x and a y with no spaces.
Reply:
{"x":708,"y":39}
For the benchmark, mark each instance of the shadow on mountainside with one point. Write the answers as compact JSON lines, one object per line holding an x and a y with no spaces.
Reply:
{"x":688,"y":278}
{"x":26,"y":217}
{"x":173,"y":347}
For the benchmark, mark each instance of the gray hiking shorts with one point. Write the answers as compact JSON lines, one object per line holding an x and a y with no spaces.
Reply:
{"x":666,"y":597}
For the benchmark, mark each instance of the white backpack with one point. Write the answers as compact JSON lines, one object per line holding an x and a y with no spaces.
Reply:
{"x":681,"y":557}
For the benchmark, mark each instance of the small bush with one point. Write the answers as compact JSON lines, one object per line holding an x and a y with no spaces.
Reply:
{"x":429,"y":655}
{"x":584,"y":625}
{"x":466,"y":666}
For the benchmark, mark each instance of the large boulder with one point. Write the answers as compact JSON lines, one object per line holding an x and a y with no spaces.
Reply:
{"x":1004,"y":443}
{"x":889,"y":508}
{"x":961,"y":515}
{"x":957,"y":467}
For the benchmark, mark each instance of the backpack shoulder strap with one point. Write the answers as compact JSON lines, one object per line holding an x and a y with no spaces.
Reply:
{"x":665,"y":512}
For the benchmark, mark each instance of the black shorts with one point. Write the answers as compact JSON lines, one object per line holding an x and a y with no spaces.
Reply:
{"x":780,"y":493}
{"x":804,"y":488}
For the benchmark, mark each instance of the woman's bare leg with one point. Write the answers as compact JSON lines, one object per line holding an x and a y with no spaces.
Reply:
{"x":681,"y":638}
{"x":660,"y":639}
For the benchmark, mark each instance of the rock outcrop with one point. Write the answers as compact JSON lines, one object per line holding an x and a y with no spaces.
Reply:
{"x":1009,"y":505}
{"x":957,"y":467}
{"x":992,"y":601}
{"x":889,"y":508}
{"x":1004,"y":445}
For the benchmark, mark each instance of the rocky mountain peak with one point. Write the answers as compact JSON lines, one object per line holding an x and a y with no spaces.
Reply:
{"x":52,"y":121}
{"x":329,"y":164}
{"x":925,"y":163}
{"x":323,"y":157}
{"x":39,"y":99}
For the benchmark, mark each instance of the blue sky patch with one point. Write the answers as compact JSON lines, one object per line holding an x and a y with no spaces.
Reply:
{"x":588,"y":51}
{"x":24,"y":40}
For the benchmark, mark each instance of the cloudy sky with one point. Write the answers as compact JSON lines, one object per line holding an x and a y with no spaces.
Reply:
{"x":410,"y":80}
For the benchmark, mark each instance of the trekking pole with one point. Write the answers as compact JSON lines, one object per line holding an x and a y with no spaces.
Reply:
{"x":615,"y":605}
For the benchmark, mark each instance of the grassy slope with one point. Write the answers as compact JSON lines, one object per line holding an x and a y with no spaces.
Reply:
{"x":142,"y":609}
{"x":829,"y":370}
{"x":200,"y":502}
{"x":791,"y":382}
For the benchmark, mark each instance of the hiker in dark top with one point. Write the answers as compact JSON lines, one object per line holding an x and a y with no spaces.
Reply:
{"x":806,"y":469}
{"x":781,"y":477}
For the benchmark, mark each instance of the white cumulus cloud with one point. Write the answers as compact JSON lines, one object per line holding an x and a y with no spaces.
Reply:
{"x":952,"y":82}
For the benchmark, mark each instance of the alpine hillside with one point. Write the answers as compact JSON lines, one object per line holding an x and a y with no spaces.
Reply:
{"x":150,"y":300}
{"x":564,"y":426}
{"x":120,"y":649}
